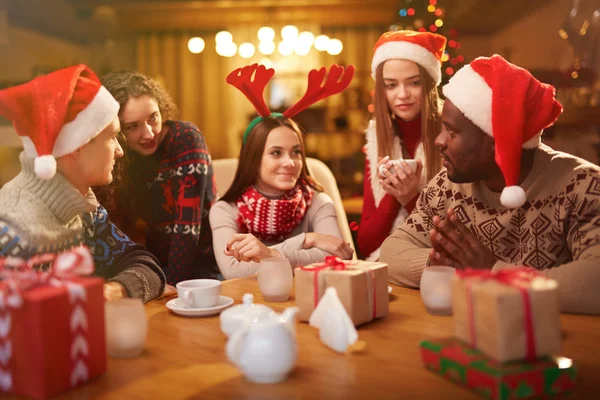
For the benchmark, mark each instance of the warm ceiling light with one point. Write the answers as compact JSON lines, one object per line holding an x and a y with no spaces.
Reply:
{"x":334,"y":47}
{"x":246,"y":50}
{"x":224,"y":37}
{"x":266,"y":34}
{"x":226,"y":49}
{"x":289,"y":32}
{"x":306,"y":38}
{"x":196,"y":45}
{"x":301,"y":49}
{"x":321,"y":42}
{"x":285,"y":48}
{"x":266,"y":48}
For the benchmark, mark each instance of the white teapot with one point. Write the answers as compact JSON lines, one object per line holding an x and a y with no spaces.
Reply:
{"x":265,"y":349}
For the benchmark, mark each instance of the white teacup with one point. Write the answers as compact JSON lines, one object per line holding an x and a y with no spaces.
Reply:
{"x":397,"y":164}
{"x":199,"y":293}
{"x":436,"y":289}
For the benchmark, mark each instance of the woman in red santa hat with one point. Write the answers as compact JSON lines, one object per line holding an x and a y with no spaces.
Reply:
{"x":274,"y":208}
{"x":166,"y":177}
{"x":406,"y":67}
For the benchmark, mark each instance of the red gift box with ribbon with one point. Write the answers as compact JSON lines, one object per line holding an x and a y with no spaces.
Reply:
{"x":52,"y":334}
{"x":361,"y":287}
{"x":509,"y":315}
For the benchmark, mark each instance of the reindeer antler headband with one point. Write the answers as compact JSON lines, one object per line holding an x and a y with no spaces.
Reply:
{"x":338,"y":79}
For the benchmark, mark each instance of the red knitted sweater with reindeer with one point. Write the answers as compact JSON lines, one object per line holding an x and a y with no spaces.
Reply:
{"x":173,"y":190}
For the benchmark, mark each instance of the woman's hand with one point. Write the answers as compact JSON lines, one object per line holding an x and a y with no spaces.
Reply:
{"x":328,"y":243}
{"x":246,"y":247}
{"x":403,"y":184}
{"x":114,"y":291}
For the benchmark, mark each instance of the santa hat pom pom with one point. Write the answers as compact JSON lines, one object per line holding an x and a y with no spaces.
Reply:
{"x":45,"y":166}
{"x":513,"y":197}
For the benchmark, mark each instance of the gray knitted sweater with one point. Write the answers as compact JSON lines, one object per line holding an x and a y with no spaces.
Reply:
{"x":39,"y":216}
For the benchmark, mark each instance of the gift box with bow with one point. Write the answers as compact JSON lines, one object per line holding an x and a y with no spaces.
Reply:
{"x":52,"y":334}
{"x":468,"y":367}
{"x":360,"y":285}
{"x":512,"y":314}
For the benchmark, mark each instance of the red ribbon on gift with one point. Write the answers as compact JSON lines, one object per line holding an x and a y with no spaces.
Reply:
{"x":330,"y":262}
{"x":337,"y":264}
{"x":21,"y":274}
{"x":518,"y":278}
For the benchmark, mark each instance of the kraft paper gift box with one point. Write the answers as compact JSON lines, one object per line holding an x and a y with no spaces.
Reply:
{"x":361,"y":287}
{"x":52,"y":335}
{"x":468,"y":367}
{"x":512,"y":314}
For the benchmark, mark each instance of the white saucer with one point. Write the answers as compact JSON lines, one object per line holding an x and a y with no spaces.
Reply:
{"x":176,"y":306}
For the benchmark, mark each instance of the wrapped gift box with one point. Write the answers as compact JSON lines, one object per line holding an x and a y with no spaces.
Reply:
{"x":52,"y":335}
{"x":513,"y":314}
{"x":469,"y":367}
{"x":361,"y":286}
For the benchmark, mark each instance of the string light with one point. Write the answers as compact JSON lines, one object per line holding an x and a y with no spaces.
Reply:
{"x":432,"y":28}
{"x":411,"y":11}
{"x":563,"y":34}
{"x":431,"y":8}
{"x":450,"y":70}
{"x":438,"y":12}
{"x":439,"y":23}
{"x":403,"y":12}
{"x":433,"y":2}
{"x":445,"y":57}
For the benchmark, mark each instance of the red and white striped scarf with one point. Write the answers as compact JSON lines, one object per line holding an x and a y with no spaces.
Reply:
{"x":273,"y":220}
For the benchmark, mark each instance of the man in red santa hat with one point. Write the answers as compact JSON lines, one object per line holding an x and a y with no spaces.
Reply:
{"x":68,"y":124}
{"x":504,"y":199}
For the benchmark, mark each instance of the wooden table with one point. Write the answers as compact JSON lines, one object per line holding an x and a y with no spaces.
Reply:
{"x":185,"y":358}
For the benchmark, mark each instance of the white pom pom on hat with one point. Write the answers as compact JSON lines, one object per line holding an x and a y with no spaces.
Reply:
{"x":510,"y":105}
{"x":45,"y":166}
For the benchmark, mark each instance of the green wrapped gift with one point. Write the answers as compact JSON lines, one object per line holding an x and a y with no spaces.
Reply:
{"x":516,"y":380}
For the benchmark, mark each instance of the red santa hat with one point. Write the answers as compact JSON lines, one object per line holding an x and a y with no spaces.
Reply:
{"x":424,"y":48}
{"x":56,"y":114}
{"x":511,"y":106}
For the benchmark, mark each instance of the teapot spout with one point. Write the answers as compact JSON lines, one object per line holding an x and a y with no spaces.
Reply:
{"x":289,"y":314}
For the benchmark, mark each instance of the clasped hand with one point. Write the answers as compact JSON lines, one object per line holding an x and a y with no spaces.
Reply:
{"x":454,"y":245}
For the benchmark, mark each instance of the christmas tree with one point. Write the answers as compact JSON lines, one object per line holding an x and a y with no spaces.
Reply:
{"x":428,"y":16}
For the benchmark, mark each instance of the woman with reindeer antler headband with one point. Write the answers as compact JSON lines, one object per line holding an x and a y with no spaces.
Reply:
{"x":166,"y":178}
{"x":274,"y":208}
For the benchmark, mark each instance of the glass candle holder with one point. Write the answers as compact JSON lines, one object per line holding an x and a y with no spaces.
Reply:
{"x":275,"y":279}
{"x":436,"y":290}
{"x":126,"y":327}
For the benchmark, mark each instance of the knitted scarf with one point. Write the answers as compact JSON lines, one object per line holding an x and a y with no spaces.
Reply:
{"x":273,"y":220}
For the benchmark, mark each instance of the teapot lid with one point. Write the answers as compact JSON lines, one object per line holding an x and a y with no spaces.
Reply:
{"x":246,"y":311}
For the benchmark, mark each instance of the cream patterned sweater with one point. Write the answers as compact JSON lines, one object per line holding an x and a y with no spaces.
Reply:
{"x":557,"y":230}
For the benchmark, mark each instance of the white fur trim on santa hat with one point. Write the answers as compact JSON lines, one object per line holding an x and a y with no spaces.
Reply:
{"x":29,"y":147}
{"x":534,"y":142}
{"x":87,"y":124}
{"x":513,"y":197}
{"x":408,"y":51}
{"x":469,"y":92}
{"x":45,"y":166}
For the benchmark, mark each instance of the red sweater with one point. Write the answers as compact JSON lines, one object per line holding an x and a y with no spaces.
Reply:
{"x":377,"y":222}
